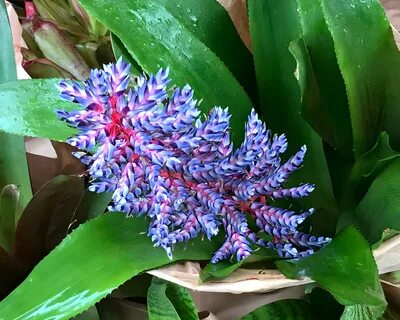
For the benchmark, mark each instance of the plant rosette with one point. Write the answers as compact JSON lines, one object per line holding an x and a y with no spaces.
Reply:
{"x":151,"y":149}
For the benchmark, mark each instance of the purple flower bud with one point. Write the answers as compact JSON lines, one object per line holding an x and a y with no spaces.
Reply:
{"x":151,"y":150}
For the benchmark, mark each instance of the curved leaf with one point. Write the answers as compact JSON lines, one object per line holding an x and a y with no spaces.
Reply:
{"x":273,"y":26}
{"x":380,"y":207}
{"x":13,"y":148}
{"x":346,"y":268}
{"x":329,"y":115}
{"x":7,"y":61}
{"x":46,"y":219}
{"x":367,"y":167}
{"x":168,"y":301}
{"x":370,"y":64}
{"x":92,"y":261}
{"x":160,"y":40}
{"x":8,"y":206}
{"x":208,"y":21}
{"x":29,"y":109}
{"x":120,"y":51}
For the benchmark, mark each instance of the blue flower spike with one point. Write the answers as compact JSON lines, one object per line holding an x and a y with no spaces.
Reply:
{"x":148,"y":146}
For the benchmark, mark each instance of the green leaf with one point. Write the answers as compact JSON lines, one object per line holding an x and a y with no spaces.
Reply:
{"x":379,"y":209}
{"x":368,"y":166}
{"x":13,"y":148}
{"x":120,"y":51}
{"x":46,"y":219}
{"x":168,"y":301}
{"x":8,"y":207}
{"x":357,"y":312}
{"x":92,"y":205}
{"x":310,"y":93}
{"x":328,"y":112}
{"x":346,"y":268}
{"x":29,"y":109}
{"x":282,"y":310}
{"x":159,"y":32}
{"x":92,"y":261}
{"x":7,"y":61}
{"x":218,"y":270}
{"x":273,"y":26}
{"x":370,"y":64}
{"x":208,"y":21}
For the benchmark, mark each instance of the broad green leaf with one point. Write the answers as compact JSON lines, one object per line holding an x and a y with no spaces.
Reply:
{"x":379,"y":209}
{"x":168,"y":301}
{"x":328,"y":112}
{"x":7,"y":61}
{"x":370,"y":64}
{"x":218,"y":270}
{"x":90,"y":262}
{"x":282,"y":310}
{"x":13,"y":148}
{"x":346,"y":268}
{"x":208,"y":21}
{"x":46,"y":219}
{"x":8,"y":207}
{"x":310,"y":93}
{"x":120,"y":51}
{"x":273,"y":26}
{"x":159,"y":39}
{"x":29,"y":109}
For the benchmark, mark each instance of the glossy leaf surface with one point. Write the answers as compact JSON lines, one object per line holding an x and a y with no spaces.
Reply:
{"x":273,"y":26}
{"x":29,"y":109}
{"x":120,"y":51}
{"x":346,"y":268}
{"x":329,"y":112}
{"x":370,"y":64}
{"x":109,"y":250}
{"x":158,"y":31}
{"x":208,"y":21}
{"x":169,"y":301}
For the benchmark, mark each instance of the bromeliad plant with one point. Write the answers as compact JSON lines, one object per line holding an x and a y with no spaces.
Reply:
{"x":159,"y":159}
{"x":181,"y":168}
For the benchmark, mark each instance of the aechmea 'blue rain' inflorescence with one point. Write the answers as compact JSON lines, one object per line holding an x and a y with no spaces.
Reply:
{"x":152,"y":150}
